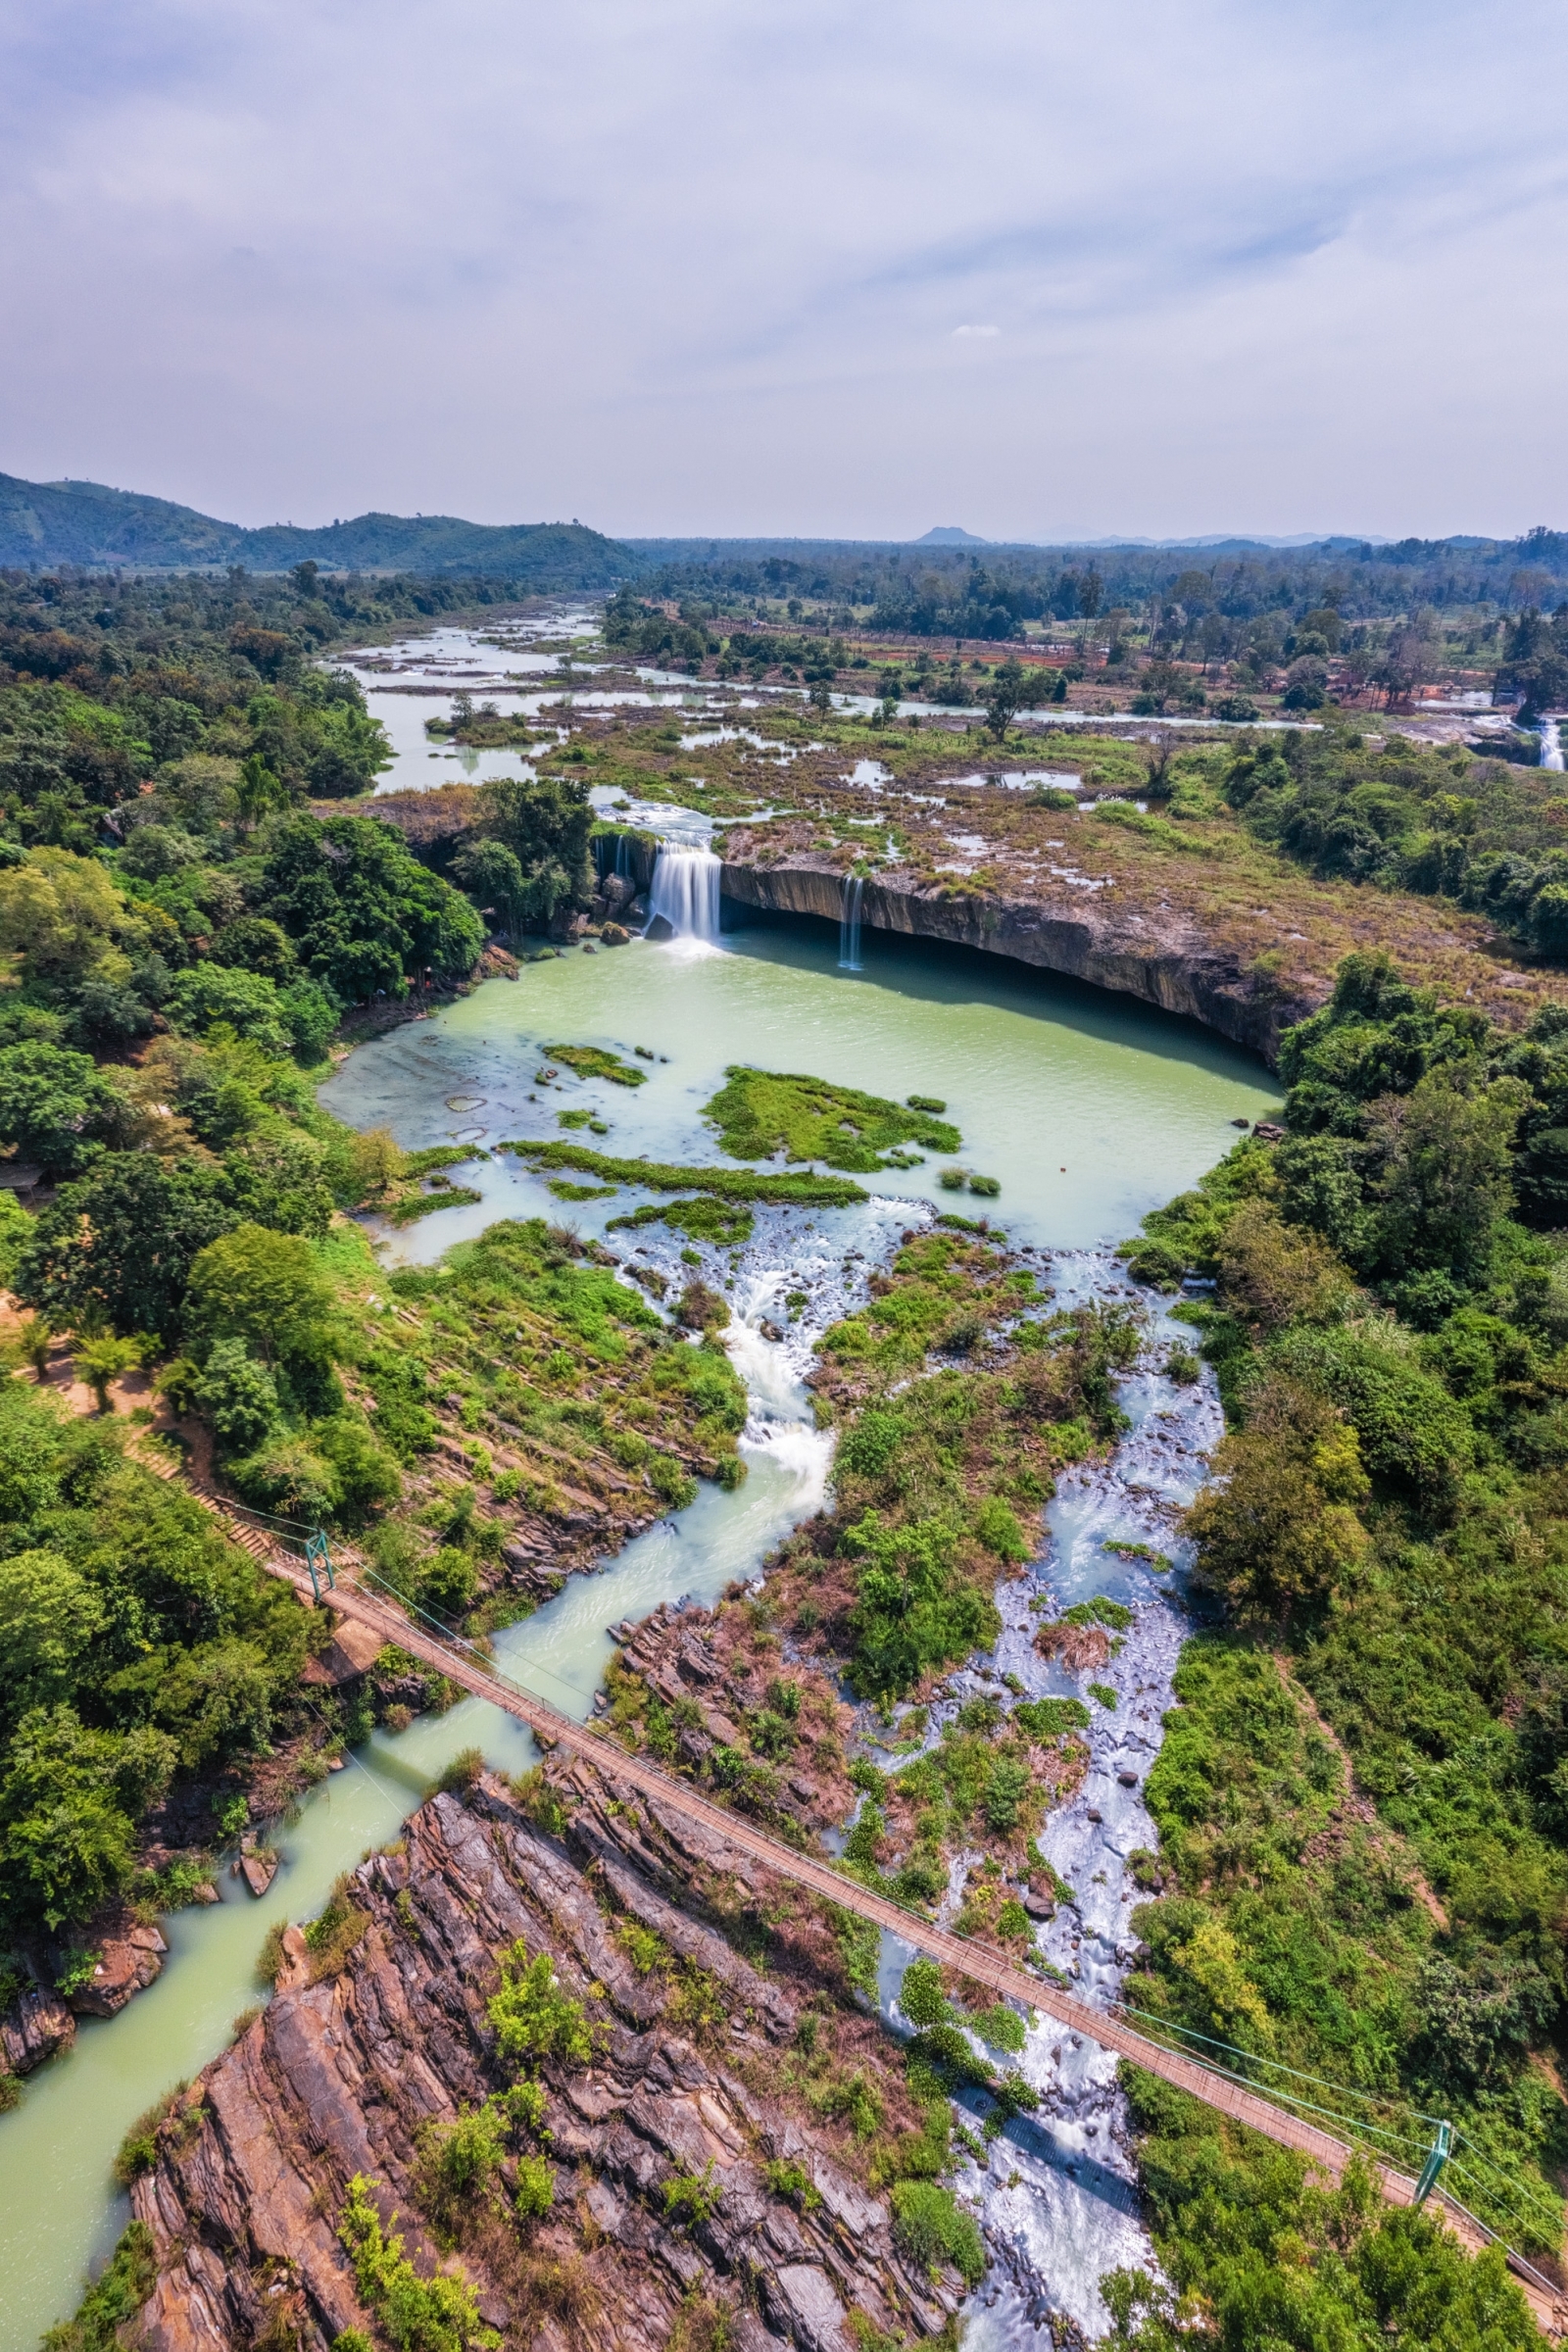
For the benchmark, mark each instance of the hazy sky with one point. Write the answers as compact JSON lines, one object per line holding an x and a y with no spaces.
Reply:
{"x":1039,"y":269}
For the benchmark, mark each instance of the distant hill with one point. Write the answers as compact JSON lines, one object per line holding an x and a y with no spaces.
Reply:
{"x":947,"y":534}
{"x":47,"y":524}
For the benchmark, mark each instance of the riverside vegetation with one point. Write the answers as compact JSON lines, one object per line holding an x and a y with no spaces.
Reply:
{"x":1363,"y":1864}
{"x":183,"y":937}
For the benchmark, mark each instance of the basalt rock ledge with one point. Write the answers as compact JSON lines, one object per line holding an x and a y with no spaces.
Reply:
{"x":1160,"y":955}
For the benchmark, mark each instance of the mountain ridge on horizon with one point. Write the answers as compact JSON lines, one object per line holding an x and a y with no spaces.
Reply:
{"x":45,"y":524}
{"x":75,"y":522}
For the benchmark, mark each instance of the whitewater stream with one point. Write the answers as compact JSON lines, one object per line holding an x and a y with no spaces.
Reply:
{"x":1090,"y":1109}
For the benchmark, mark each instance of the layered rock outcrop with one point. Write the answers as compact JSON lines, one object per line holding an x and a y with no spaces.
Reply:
{"x":35,"y":2025}
{"x":697,"y":2055}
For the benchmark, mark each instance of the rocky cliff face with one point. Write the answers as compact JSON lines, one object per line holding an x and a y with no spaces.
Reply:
{"x":1158,"y":953}
{"x":700,"y":2066}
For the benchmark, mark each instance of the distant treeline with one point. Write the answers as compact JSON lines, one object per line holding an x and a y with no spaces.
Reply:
{"x":940,"y":592}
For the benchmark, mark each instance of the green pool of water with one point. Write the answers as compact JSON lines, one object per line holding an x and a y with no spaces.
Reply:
{"x":1089,"y":1108}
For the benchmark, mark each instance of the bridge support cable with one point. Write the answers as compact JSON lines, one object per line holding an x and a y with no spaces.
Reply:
{"x":1442,"y":2148}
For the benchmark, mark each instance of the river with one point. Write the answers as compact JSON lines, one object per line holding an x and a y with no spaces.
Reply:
{"x":1090,"y":1109}
{"x":516,"y":667}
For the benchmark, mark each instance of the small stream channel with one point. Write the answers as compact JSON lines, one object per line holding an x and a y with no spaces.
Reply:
{"x":1091,"y":1110}
{"x":1056,"y":2195}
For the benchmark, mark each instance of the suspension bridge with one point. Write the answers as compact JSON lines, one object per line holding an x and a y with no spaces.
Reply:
{"x":1417,"y":2160}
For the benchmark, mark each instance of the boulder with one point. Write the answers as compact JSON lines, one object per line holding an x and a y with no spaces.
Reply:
{"x":127,"y":1965}
{"x":258,"y":1872}
{"x":32,"y":2029}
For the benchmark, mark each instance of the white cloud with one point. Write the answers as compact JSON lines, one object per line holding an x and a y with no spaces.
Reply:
{"x":695,"y":267}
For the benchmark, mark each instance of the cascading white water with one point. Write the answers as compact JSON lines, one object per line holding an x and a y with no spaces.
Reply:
{"x":849,"y":924}
{"x":685,"y":891}
{"x":1550,"y":744}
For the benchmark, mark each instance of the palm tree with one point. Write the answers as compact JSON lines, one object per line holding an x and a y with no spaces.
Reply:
{"x":99,"y":1361}
{"x":37,"y":1341}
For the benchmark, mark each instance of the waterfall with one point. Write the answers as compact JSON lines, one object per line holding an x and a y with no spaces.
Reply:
{"x":849,"y":924}
{"x":1550,"y":744}
{"x":685,"y":891}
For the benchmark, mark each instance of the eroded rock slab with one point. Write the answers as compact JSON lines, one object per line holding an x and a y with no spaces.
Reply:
{"x":337,"y":2076}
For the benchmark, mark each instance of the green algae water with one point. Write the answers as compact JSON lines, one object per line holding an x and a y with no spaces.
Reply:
{"x":1088,"y":1109}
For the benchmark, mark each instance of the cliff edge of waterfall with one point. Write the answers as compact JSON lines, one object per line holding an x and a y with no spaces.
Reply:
{"x":1151,"y":952}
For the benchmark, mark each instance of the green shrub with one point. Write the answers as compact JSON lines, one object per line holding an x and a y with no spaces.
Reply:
{"x":673,"y":1483}
{"x":113,"y":2301}
{"x":1099,"y":1612}
{"x":643,"y":1949}
{"x":536,"y":2188}
{"x":996,"y":1526}
{"x":933,"y":2229}
{"x":692,"y":2197}
{"x":337,"y":1929}
{"x":138,"y":2150}
{"x":1412,"y":1430}
{"x":913,"y":1612}
{"x":464,"y":1772}
{"x":1049,"y":1718}
{"x":786,"y":2178}
{"x":533,"y":2019}
{"x":417,"y":2315}
{"x":457,"y":2165}
{"x":853,"y":2097}
{"x":1002,"y":2027}
{"x":1006,"y":1789}
{"x":449,"y":1582}
{"x":539,"y":1802}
